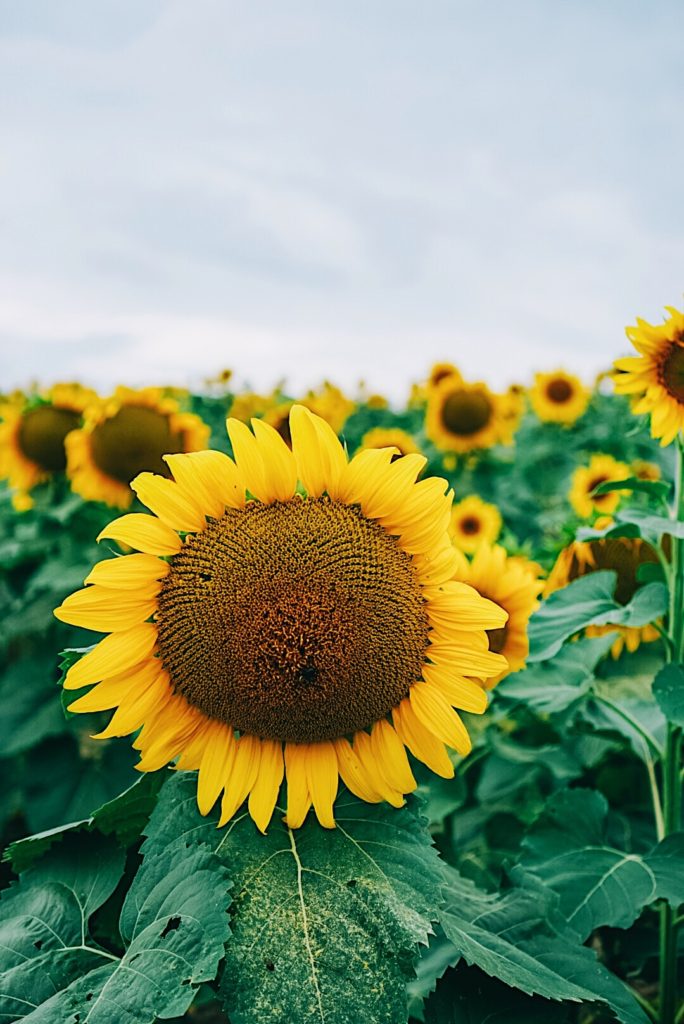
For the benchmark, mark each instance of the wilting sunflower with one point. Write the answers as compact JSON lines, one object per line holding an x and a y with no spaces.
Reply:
{"x":125,"y":435}
{"x":312,"y":629}
{"x":473,"y":522}
{"x":655,"y":378}
{"x":512,"y":583}
{"x":461,"y":417}
{"x":32,"y":435}
{"x":390,"y":437}
{"x":623,"y":555}
{"x":601,"y":469}
{"x":559,"y":397}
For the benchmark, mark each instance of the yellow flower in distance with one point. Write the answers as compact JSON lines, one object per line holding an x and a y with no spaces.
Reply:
{"x":125,"y":435}
{"x":601,"y":469}
{"x":390,"y":437}
{"x":513,"y":584}
{"x":655,"y":378}
{"x":440,"y":372}
{"x":559,"y":397}
{"x":289,"y":613}
{"x":623,"y":555}
{"x":32,"y":436}
{"x":473,"y":522}
{"x":462,"y":417}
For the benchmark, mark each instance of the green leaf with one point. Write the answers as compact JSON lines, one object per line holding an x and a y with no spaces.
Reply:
{"x":650,"y":525}
{"x":589,"y":601}
{"x":552,"y":686}
{"x":173,"y":925}
{"x":668,"y":690}
{"x":654,"y":488}
{"x":325,"y":922}
{"x":569,"y":849}
{"x":666,"y":861}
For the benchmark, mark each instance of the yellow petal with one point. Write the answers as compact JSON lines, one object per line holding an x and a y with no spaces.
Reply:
{"x":390,"y":757}
{"x":359,"y":479}
{"x":107,"y":611}
{"x":137,"y":708}
{"x":331,"y":451}
{"x":210,"y":478}
{"x":249,"y":460}
{"x":423,"y":744}
{"x":128,"y":572}
{"x":437,"y":715}
{"x":353,"y":774}
{"x":312,"y":464}
{"x":116,"y":689}
{"x":392,"y":488}
{"x":460,"y":692}
{"x":146,"y":533}
{"x":169,"y":502}
{"x":215,"y":766}
{"x":321,"y":779}
{"x":365,"y":754}
{"x":243,"y":775}
{"x":282,"y":468}
{"x":298,"y":796}
{"x":264,"y":794}
{"x":113,"y":654}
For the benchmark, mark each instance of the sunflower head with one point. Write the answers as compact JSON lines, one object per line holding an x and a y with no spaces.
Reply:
{"x":654,"y":379}
{"x":390,"y":437}
{"x":622,"y":555}
{"x":440,"y":372}
{"x":288,"y":611}
{"x":643,"y":470}
{"x":127,"y":434}
{"x":559,"y":397}
{"x":585,"y":479}
{"x":462,"y":417}
{"x":513,"y":584}
{"x":33,"y":433}
{"x":474,"y":522}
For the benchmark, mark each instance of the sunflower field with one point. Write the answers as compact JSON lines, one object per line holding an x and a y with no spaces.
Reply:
{"x":321,"y":710}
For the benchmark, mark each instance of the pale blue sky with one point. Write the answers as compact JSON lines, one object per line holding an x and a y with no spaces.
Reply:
{"x":342,"y":189}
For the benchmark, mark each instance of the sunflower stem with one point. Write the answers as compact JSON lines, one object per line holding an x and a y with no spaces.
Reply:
{"x":672,"y":779}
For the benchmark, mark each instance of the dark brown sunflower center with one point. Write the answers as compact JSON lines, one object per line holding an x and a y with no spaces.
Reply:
{"x":559,"y":390}
{"x":470,"y":525}
{"x":593,"y":484}
{"x":497,"y":639}
{"x":132,"y":441}
{"x":624,"y":556}
{"x":41,"y":435}
{"x":466,"y":412}
{"x":672,"y":371}
{"x":298,"y":621}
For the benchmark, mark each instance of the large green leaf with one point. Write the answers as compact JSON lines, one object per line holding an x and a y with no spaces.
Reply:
{"x":552,"y":686}
{"x":522,"y":940}
{"x":590,"y":601}
{"x":173,"y":926}
{"x":668,"y":690}
{"x":650,"y":525}
{"x":571,"y":849}
{"x":666,"y":862}
{"x":325,"y":922}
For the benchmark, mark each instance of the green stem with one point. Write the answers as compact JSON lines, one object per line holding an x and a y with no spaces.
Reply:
{"x":647,"y":1007}
{"x":672,"y":780}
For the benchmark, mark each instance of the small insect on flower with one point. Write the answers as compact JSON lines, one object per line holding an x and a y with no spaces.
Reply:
{"x":289,"y":612}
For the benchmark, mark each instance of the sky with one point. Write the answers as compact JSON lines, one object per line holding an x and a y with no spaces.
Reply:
{"x":339,"y":190}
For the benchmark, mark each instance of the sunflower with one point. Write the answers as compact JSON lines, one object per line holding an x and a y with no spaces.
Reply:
{"x":440,"y":372}
{"x":390,"y":437}
{"x":474,"y":522}
{"x":32,"y":435}
{"x":461,"y":417}
{"x":655,"y":378}
{"x":330,"y":404}
{"x":288,"y":612}
{"x":124,"y":435}
{"x":585,"y":479}
{"x":643,"y":470}
{"x":513,"y":584}
{"x":559,"y":397}
{"x":623,"y":555}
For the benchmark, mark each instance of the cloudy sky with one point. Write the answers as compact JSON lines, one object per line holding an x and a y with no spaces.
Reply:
{"x":342,"y":189}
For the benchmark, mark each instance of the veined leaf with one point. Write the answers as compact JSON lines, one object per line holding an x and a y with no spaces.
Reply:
{"x":173,"y":925}
{"x":552,"y":686}
{"x":668,"y":690}
{"x":325,"y":922}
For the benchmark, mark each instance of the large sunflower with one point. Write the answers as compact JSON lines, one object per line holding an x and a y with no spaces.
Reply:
{"x":461,"y":417}
{"x":655,"y":378}
{"x":474,"y":522}
{"x":289,"y":611}
{"x":125,"y":435}
{"x":512,"y":583}
{"x":585,"y":479}
{"x":32,"y":435}
{"x":559,"y":397}
{"x":623,"y":555}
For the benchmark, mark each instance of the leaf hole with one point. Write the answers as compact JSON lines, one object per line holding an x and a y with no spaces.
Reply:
{"x":270,"y":966}
{"x":351,"y":883}
{"x":171,"y":925}
{"x":38,"y":944}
